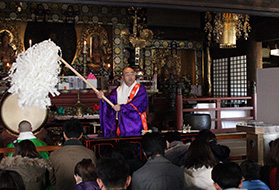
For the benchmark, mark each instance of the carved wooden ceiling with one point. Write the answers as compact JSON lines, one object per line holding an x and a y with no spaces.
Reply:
{"x":252,"y":7}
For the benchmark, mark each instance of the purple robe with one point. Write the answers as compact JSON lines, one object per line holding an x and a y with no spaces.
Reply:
{"x":129,"y":119}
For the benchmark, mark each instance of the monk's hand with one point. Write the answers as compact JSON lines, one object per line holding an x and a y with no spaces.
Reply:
{"x":100,"y":94}
{"x":116,"y":107}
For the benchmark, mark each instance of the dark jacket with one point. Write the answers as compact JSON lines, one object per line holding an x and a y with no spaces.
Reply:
{"x":221,"y":152}
{"x":88,"y":185}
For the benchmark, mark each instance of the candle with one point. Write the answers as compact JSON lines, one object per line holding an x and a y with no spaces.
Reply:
{"x":108,"y":65}
{"x":8,"y":65}
{"x":90,"y":47}
{"x":84,"y":46}
{"x":30,"y":42}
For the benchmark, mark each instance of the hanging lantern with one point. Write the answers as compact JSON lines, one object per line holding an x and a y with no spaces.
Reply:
{"x":227,"y":28}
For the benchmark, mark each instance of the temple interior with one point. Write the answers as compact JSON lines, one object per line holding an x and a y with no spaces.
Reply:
{"x":216,"y":59}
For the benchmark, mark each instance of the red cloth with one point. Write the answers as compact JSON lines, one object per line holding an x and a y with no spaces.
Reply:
{"x":272,"y":179}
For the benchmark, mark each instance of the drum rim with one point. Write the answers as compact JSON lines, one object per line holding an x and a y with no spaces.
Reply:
{"x":39,"y":129}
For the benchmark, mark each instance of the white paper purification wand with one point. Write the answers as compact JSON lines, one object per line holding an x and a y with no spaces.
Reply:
{"x":35,"y":74}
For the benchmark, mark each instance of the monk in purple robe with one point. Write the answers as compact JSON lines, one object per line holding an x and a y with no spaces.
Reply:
{"x":127,"y":117}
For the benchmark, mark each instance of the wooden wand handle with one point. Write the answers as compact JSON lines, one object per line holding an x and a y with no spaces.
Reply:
{"x":80,"y":76}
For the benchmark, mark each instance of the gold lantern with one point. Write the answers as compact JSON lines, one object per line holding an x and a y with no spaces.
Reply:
{"x":226,"y":28}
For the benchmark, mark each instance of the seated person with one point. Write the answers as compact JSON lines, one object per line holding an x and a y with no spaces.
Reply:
{"x":26,"y":161}
{"x":158,"y":173}
{"x":65,"y":158}
{"x":198,"y":166}
{"x":86,"y":175}
{"x":251,"y":172}
{"x":221,"y":152}
{"x":270,"y":172}
{"x":113,"y":173}
{"x":176,"y":149}
{"x":11,"y":180}
{"x":129,"y":152}
{"x":25,"y":132}
{"x":227,"y":176}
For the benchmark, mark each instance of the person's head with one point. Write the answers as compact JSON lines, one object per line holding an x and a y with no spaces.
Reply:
{"x":172,"y":136}
{"x":26,"y":148}
{"x":72,"y":129}
{"x":250,"y":170}
{"x":11,"y":180}
{"x":85,"y":171}
{"x":113,"y":173}
{"x":273,"y":155}
{"x":24,"y":126}
{"x":153,"y":144}
{"x":199,"y":154}
{"x":129,"y":76}
{"x":206,"y":135}
{"x":226,"y":175}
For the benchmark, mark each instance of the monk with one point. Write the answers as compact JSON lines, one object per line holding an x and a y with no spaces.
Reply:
{"x":127,"y":117}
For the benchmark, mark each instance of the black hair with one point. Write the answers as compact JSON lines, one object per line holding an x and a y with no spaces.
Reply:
{"x":113,"y":172}
{"x":207,"y":136}
{"x":250,"y":170}
{"x":172,"y":136}
{"x":227,"y":175}
{"x":152,"y":144}
{"x":86,"y":170}
{"x":11,"y":180}
{"x":73,"y":128}
{"x":26,"y":148}
{"x":199,"y":154}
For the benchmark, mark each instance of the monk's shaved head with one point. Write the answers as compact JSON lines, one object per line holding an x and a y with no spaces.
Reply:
{"x":127,"y":69}
{"x":24,"y":126}
{"x":129,"y":76}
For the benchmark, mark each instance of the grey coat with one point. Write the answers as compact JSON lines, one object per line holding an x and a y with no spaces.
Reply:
{"x":158,"y":174}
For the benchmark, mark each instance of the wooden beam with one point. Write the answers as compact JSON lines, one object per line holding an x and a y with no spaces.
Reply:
{"x":259,"y":7}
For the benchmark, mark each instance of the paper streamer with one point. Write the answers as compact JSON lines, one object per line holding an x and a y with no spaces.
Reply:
{"x":35,"y":74}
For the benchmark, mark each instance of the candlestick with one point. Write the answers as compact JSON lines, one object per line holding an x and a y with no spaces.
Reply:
{"x":84,"y":46}
{"x":30,"y":42}
{"x":90,"y":47}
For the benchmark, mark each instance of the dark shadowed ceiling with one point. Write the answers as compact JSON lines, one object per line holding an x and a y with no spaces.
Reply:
{"x":252,"y":7}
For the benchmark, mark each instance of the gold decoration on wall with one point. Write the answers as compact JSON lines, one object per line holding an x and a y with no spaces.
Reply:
{"x":14,"y":37}
{"x":94,"y":41}
{"x":140,"y":37}
{"x":164,"y":62}
{"x":226,"y":28}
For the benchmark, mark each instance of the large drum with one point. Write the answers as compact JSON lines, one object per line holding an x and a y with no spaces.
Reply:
{"x":12,"y":114}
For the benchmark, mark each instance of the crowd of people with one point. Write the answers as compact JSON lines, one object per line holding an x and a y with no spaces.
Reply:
{"x":202,"y":164}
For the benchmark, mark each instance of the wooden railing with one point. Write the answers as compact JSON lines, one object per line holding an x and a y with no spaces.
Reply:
{"x":217,"y":100}
{"x":5,"y":151}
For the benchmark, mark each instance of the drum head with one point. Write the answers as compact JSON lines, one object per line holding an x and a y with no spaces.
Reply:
{"x":12,"y":114}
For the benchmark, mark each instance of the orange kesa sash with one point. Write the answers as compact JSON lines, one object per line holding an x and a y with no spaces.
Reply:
{"x":142,"y":115}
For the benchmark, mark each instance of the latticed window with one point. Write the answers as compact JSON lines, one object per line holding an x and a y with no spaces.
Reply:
{"x":230,"y":76}
{"x":220,"y":77}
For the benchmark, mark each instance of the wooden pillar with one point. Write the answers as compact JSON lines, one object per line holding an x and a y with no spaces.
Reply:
{"x":179,"y":108}
{"x":254,"y":61}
